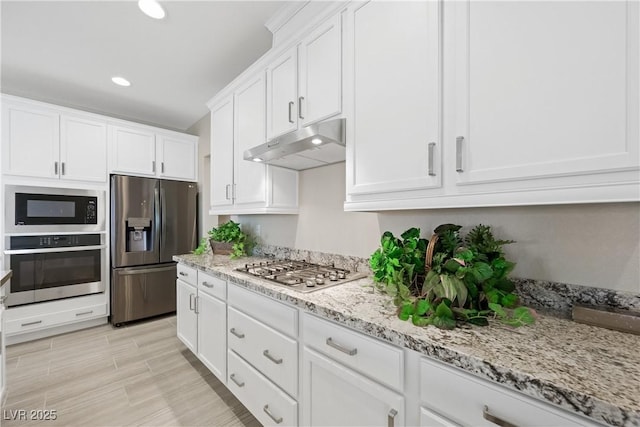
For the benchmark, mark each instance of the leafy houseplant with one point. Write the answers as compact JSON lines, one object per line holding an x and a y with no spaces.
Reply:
{"x":234,"y":241}
{"x":466,"y":279}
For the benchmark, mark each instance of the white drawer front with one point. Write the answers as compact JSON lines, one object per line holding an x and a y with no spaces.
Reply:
{"x":272,"y":353}
{"x":187,"y":274}
{"x":273,"y":313}
{"x":379,"y":361}
{"x":462,"y":398}
{"x":54,"y":319}
{"x":212,"y":285}
{"x":270,"y":405}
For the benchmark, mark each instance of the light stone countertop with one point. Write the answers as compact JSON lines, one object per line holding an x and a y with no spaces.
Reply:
{"x":584,"y":369}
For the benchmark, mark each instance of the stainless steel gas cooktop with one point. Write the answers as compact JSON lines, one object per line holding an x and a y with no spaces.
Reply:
{"x":301,"y":276}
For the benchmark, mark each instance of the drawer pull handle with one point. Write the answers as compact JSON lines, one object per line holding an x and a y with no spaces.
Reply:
{"x":391,"y":418}
{"x":207,"y":284}
{"x":238,"y":383}
{"x":277,"y":420}
{"x":84,"y":313}
{"x":270,"y":357}
{"x":236,"y":333}
{"x":182,"y":273}
{"x":37,"y":322}
{"x":349,"y":351}
{"x":496,"y":420}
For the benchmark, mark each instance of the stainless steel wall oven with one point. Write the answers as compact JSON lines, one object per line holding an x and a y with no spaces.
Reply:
{"x":48,"y":267}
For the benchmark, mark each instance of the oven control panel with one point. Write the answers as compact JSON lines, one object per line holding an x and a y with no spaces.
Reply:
{"x":54,"y":241}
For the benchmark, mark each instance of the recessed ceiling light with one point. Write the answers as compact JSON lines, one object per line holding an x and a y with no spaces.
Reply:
{"x":151,"y":8}
{"x":120,"y":81}
{"x":316,"y":141}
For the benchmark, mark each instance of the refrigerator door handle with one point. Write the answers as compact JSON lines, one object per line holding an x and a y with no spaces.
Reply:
{"x":158,"y":217}
{"x":163,"y":219}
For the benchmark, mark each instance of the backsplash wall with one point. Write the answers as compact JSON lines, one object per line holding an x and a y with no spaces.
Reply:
{"x":591,"y":245}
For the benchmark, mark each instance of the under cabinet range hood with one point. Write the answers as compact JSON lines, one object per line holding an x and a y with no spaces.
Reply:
{"x":316,"y":145}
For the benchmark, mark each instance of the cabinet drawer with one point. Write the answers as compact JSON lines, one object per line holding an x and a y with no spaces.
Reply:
{"x":187,"y":274}
{"x":272,"y":353}
{"x":48,"y":320}
{"x":462,"y":398}
{"x":377,"y":360}
{"x":266,"y":402}
{"x":212,"y":285}
{"x":272,"y":313}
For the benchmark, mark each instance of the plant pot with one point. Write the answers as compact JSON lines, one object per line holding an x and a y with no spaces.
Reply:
{"x":221,"y":248}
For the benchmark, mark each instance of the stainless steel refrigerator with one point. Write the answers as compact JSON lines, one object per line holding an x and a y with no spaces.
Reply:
{"x":151,"y":220}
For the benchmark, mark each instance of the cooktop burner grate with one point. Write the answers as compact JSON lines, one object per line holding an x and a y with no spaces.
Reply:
{"x":301,"y":276}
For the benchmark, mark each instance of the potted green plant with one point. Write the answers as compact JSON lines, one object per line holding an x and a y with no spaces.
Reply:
{"x":227,"y":239}
{"x":462,"y":279}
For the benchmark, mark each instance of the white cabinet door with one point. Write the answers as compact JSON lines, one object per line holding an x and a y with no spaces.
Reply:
{"x":133,"y":150}
{"x":222,"y":154}
{"x":320,"y":78}
{"x":282,"y":93}
{"x":337,"y":396}
{"x":212,"y":334}
{"x":83,"y":149}
{"x":545,"y":89}
{"x":249,"y":131}
{"x":393,"y":49}
{"x":31,"y":141}
{"x":186,"y":317}
{"x":176,"y":157}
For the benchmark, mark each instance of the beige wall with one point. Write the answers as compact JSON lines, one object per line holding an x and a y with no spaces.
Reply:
{"x":593,"y":245}
{"x":202,"y":128}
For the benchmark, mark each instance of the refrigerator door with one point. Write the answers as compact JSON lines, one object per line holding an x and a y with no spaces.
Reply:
{"x":141,"y":292}
{"x":179,"y":234}
{"x":135,"y":221}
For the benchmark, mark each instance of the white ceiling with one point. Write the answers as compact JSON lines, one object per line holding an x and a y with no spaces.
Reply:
{"x":65,"y":52}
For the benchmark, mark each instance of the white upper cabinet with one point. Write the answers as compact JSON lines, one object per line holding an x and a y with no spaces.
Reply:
{"x":510,"y":103}
{"x":221,"y":154}
{"x":42,"y":142}
{"x":304,"y":84}
{"x":393,"y":97}
{"x":239,"y":186}
{"x":145,"y":151}
{"x":545,"y":89}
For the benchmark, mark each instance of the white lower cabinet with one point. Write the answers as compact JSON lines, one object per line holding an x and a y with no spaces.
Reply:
{"x":270,"y":405}
{"x":201,"y":313}
{"x":448,"y":393}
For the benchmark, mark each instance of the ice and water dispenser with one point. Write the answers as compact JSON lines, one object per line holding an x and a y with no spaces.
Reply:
{"x":139,"y":235}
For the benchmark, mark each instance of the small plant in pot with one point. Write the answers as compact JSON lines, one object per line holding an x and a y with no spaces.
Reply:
{"x":462,"y":279}
{"x":227,"y":239}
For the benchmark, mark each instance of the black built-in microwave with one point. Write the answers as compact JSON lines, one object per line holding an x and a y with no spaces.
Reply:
{"x":42,"y":209}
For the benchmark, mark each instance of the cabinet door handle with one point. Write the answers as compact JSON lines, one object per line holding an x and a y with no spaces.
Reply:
{"x":236,"y":333}
{"x":496,"y":420}
{"x":432,"y":146}
{"x":62,"y":168}
{"x":226,"y":191}
{"x":270,"y":357}
{"x":55,"y":168}
{"x":191,"y":302}
{"x":162,"y":167}
{"x":349,"y":351}
{"x":195,"y":305}
{"x":37,"y":322}
{"x":207,"y":284}
{"x":300,"y":100}
{"x":238,"y":383}
{"x":153,"y":166}
{"x":290,"y":111}
{"x":276,"y":420}
{"x":459,"y":141}
{"x":84,"y":313}
{"x":391,"y":418}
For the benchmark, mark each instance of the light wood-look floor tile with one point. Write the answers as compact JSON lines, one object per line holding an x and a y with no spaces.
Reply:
{"x":136,"y":375}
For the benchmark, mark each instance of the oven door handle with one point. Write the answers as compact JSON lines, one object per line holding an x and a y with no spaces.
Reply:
{"x":51,"y":250}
